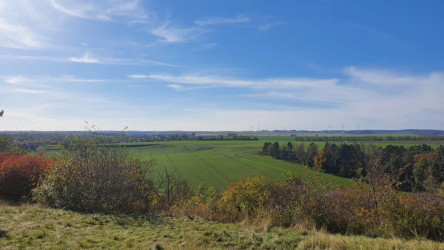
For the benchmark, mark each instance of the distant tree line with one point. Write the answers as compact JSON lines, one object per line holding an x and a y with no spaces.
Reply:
{"x":417,"y":168}
{"x":356,"y":138}
{"x":194,"y":137}
{"x":31,"y":140}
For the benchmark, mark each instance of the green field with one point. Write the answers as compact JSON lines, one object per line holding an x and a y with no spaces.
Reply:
{"x":218,"y":163}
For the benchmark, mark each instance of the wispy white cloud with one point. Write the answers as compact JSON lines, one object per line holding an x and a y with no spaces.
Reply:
{"x":11,"y":57}
{"x":18,"y":36}
{"x":69,"y":78}
{"x":231,"y":82}
{"x":26,"y":25}
{"x":209,"y":21}
{"x":49,"y":81}
{"x":15,"y":79}
{"x":173,"y":34}
{"x":87,"y":58}
{"x":138,"y":76}
{"x":353,"y":79}
{"x":31,"y":91}
{"x":135,"y":61}
{"x":384,"y":77}
{"x":101,"y":10}
{"x":376,"y":98}
{"x":175,"y":86}
{"x":127,"y":8}
{"x":37,"y":25}
{"x":81,"y":11}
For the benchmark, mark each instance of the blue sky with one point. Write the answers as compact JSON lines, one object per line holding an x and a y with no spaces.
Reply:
{"x":221,"y":65}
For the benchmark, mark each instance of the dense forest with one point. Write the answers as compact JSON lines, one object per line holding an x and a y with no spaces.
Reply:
{"x":416,"y":168}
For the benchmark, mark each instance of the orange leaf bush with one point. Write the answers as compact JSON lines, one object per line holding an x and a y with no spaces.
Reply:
{"x":19,"y":174}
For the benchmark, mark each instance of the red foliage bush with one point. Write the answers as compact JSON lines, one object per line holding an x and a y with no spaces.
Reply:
{"x":19,"y":174}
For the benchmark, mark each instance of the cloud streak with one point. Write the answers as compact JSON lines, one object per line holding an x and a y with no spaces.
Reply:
{"x":18,"y":36}
{"x":101,"y":10}
{"x":37,"y":25}
{"x":368,"y":95}
{"x":211,"y":21}
{"x":87,"y":58}
{"x":173,"y":34}
{"x":231,"y":82}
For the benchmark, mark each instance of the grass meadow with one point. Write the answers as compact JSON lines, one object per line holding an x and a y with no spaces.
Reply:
{"x":33,"y":227}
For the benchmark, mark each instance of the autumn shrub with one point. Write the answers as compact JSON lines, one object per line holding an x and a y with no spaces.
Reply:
{"x":284,"y":204}
{"x":173,"y":195}
{"x":173,"y":189}
{"x":419,"y":215}
{"x":20,"y":173}
{"x":322,"y":209}
{"x":201,"y":202}
{"x":93,"y":177}
{"x":342,"y":211}
{"x":265,"y":203}
{"x":245,"y":198}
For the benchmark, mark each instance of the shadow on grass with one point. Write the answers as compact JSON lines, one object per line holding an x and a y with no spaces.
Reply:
{"x":3,"y":233}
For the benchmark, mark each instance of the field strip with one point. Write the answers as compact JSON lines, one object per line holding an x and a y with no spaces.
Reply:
{"x":209,"y":165}
{"x":173,"y":165}
{"x":236,"y":159}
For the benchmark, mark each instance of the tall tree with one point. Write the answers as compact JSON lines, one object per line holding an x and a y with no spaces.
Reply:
{"x":311,"y":153}
{"x":275,"y":150}
{"x":300,"y":153}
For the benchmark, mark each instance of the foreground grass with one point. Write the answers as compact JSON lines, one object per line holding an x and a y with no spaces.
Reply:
{"x":28,"y":226}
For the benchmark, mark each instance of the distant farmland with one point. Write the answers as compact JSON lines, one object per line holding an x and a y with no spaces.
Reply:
{"x":218,"y":163}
